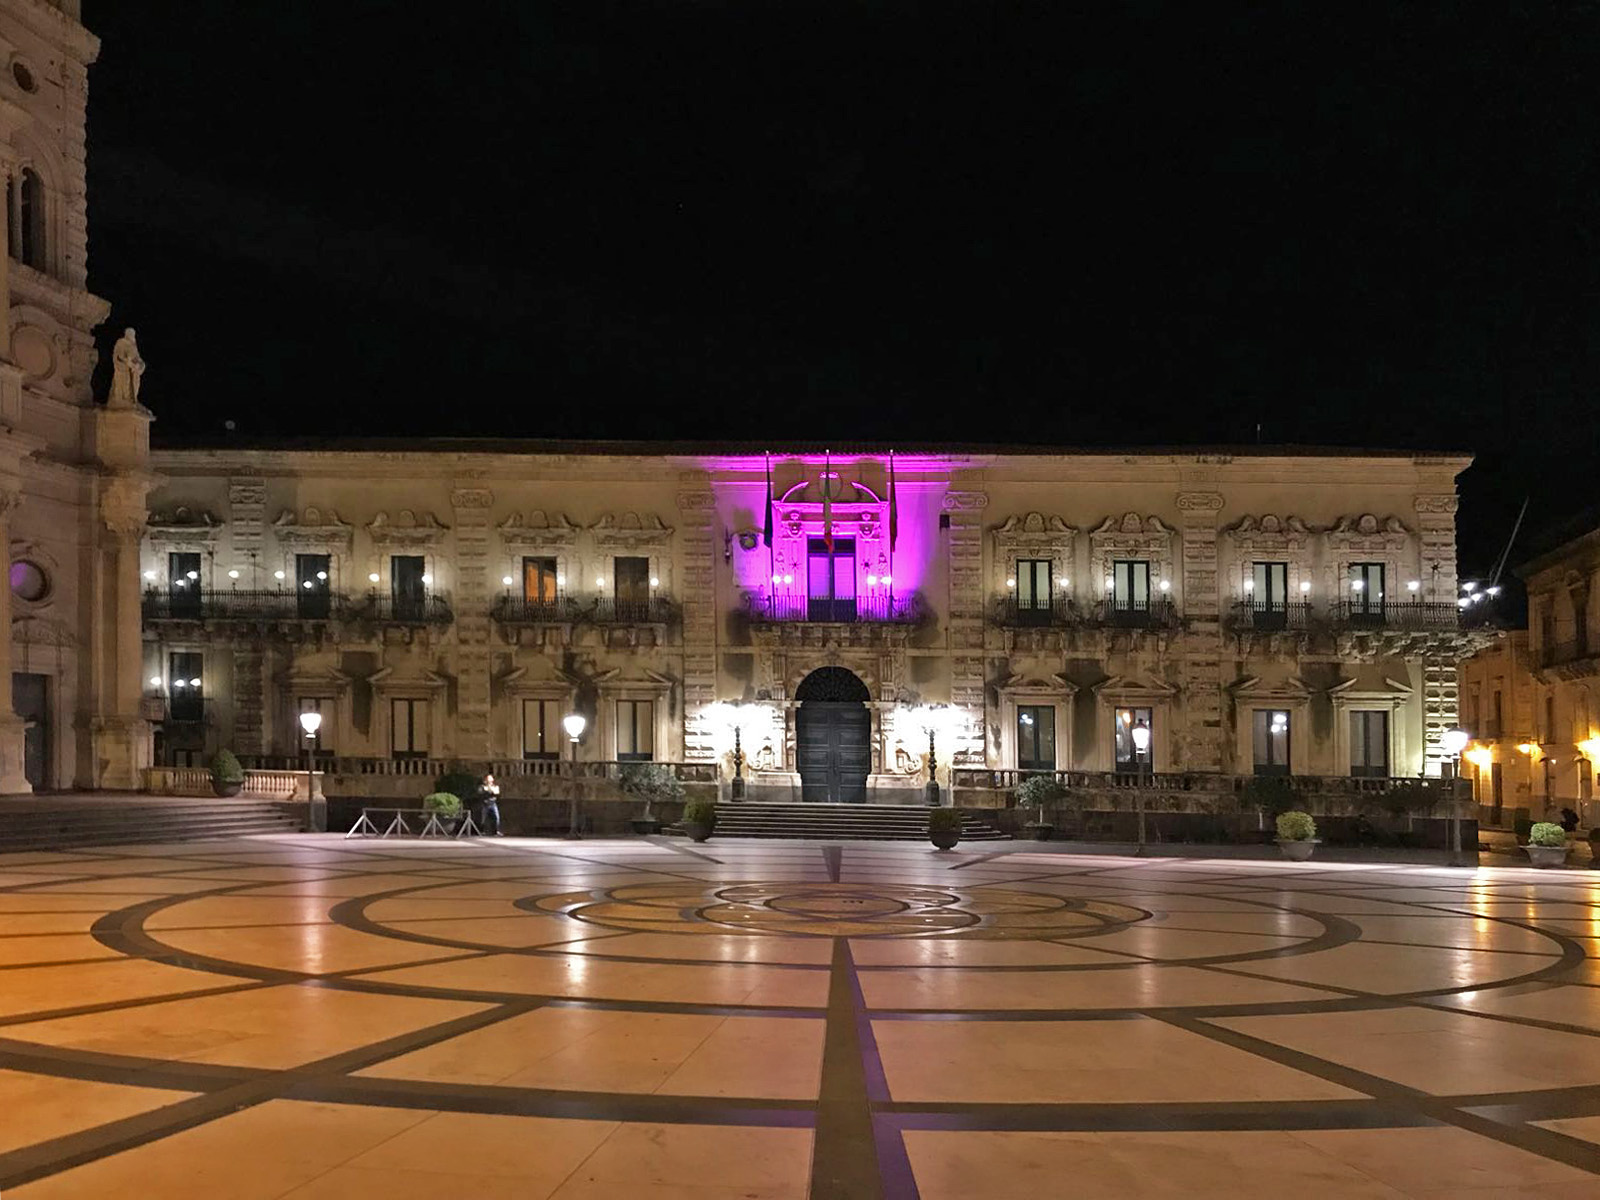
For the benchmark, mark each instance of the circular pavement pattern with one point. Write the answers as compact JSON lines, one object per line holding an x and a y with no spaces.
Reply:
{"x":860,"y":1021}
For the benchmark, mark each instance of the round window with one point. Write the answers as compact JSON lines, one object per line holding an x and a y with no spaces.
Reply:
{"x":28,"y":580}
{"x":24,"y":77}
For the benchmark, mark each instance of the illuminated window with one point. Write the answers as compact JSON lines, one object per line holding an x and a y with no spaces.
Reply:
{"x":1036,"y":737}
{"x":1271,"y":729}
{"x":635,"y":730}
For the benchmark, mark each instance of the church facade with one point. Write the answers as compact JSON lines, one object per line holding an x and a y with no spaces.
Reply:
{"x":1229,"y":612}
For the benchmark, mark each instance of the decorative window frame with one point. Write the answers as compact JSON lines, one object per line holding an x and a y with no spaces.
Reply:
{"x":1117,"y":692}
{"x":1393,"y":699}
{"x":521,"y":684}
{"x":1366,"y":539}
{"x":1269,"y":538}
{"x":429,"y":686}
{"x":540,"y":536}
{"x":1133,"y":537}
{"x":630,"y":536}
{"x":1290,"y":695}
{"x":321,"y":683}
{"x":315,"y":531}
{"x":655,"y":687}
{"x":1019,"y":691}
{"x":1030,"y":536}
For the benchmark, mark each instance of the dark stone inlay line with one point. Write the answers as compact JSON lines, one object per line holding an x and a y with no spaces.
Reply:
{"x":833,"y":859}
{"x":844,"y":1153}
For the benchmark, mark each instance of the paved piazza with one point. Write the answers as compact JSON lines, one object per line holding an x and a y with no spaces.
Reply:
{"x":308,"y":1017}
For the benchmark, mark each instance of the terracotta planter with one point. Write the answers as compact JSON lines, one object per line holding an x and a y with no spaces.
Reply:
{"x":944,"y":839}
{"x":1546,"y":856}
{"x":697,"y":832}
{"x":1297,"y":851}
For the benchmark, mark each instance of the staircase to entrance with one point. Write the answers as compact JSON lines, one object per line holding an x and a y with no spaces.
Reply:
{"x":843,"y":822}
{"x":58,"y":822}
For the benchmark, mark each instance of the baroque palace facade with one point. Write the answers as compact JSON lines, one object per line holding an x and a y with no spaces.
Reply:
{"x":1257,"y":611}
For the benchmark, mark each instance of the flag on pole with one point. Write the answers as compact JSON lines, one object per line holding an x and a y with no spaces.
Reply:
{"x":827,"y":502}
{"x":894,"y":510}
{"x":766,"y":529}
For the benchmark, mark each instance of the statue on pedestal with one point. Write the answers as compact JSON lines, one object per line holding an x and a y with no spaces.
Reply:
{"x":127,"y":368}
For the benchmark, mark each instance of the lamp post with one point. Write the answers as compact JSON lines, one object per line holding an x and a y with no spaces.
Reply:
{"x":736,"y":788}
{"x":1454,"y":742}
{"x":573,"y":723}
{"x":1141,"y":747}
{"x":311,"y":722}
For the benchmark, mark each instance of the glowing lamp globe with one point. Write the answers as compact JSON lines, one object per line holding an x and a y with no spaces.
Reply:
{"x":574,"y":724}
{"x":311,"y":722}
{"x":1454,"y":741}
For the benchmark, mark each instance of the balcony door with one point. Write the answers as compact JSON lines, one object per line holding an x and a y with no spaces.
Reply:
{"x":1269,"y":594}
{"x":631,"y":576}
{"x":1033,"y":591}
{"x":1366,"y":592}
{"x":539,"y":583}
{"x":406,"y":586}
{"x":186,"y":686}
{"x":1130,"y":589}
{"x":831,"y":580}
{"x":312,"y":587}
{"x":183,"y":584}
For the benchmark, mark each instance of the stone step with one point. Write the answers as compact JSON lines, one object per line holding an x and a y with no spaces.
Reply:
{"x":839,"y":822}
{"x":33,"y":825}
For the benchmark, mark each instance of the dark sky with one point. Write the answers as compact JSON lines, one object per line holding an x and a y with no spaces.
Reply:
{"x":1157,"y":223}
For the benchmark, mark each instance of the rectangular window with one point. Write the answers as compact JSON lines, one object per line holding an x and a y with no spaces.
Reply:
{"x":1033,"y":585}
{"x":1369,"y":744}
{"x":312,"y":585}
{"x":410,"y":731}
{"x":539,"y":580}
{"x":541,"y":729}
{"x":1271,"y":727}
{"x":186,"y":686}
{"x":183,"y":584}
{"x":635,"y":730}
{"x":831,"y":579}
{"x":406,"y":588}
{"x":322,"y":743}
{"x":1270,"y":586}
{"x":1366,"y":590}
{"x":1130,"y":758}
{"x":1036,"y":737}
{"x":631,"y":579}
{"x":1130,"y":585}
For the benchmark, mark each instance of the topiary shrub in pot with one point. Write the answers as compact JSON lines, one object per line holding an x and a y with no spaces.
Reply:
{"x":446,"y":806}
{"x":1547,"y":844}
{"x":1270,"y":796}
{"x":652,"y":783}
{"x":699,"y":819}
{"x":944,"y":827}
{"x":1297,"y":835}
{"x":227,"y":776}
{"x":1035,"y":792}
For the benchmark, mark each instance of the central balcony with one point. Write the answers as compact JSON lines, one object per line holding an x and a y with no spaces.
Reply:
{"x":1156,"y":613}
{"x":515,"y":610}
{"x":1266,"y":617}
{"x":1058,"y":612}
{"x":878,"y":608}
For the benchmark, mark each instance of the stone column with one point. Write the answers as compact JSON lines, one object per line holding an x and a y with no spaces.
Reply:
{"x":1436,"y":532}
{"x":13,"y":779}
{"x":1198,"y":745}
{"x":697,"y":579}
{"x":966,"y":620}
{"x":119,"y":736}
{"x":472,"y":626}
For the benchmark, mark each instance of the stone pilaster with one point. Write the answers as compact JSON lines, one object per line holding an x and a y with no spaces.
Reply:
{"x":1436,"y":534}
{"x":698,"y":579}
{"x":966,"y":631}
{"x":472,"y":625}
{"x":247,"y":502}
{"x":1198,"y":744}
{"x":119,"y":736}
{"x":249,"y":700}
{"x":13,"y":777}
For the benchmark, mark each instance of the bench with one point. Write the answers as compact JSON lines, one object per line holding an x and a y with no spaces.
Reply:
{"x":366,"y":827}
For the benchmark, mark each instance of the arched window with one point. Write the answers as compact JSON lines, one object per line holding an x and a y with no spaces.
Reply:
{"x":25,"y":218}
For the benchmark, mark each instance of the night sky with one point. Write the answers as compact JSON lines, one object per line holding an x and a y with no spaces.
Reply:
{"x":1158,"y":223}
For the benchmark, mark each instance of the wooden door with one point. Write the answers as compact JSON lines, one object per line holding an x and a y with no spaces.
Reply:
{"x":833,"y":751}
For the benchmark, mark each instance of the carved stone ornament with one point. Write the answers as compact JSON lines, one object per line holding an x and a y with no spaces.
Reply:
{"x":1269,"y":532}
{"x":122,"y":505}
{"x":1366,"y":532}
{"x":630,"y":531}
{"x":964,"y":501}
{"x":314,"y":527}
{"x":472,"y":498}
{"x":1199,"y":501}
{"x":1437,"y":505}
{"x":406,"y":528}
{"x":183,"y":525}
{"x":539,"y":530}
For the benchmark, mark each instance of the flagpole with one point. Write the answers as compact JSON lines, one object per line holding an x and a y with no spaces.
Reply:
{"x":894,"y":529}
{"x":767,"y":536}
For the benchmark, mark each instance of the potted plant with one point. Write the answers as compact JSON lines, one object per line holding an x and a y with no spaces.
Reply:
{"x":944,"y":827}
{"x":1297,"y":835}
{"x":699,"y":819}
{"x":227,"y":776}
{"x":1547,"y":844}
{"x":1035,"y":792}
{"x":446,"y":806}
{"x":651,"y":782}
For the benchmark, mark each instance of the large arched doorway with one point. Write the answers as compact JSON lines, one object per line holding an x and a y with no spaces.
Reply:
{"x":833,"y":737}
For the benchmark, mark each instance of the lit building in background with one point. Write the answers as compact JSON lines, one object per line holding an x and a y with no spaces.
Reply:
{"x":1251,"y":612}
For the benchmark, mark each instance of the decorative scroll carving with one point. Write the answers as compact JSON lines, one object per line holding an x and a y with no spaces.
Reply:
{"x":538,"y":530}
{"x":1269,"y":532}
{"x":630,"y":531}
{"x":1132,"y":536}
{"x":472,"y":498}
{"x":1034,"y":536}
{"x":184,"y":525}
{"x":1437,"y":504}
{"x":406,"y":528}
{"x":1199,"y":501}
{"x":313,"y":527}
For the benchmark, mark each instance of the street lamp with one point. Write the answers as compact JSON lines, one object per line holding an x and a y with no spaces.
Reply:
{"x":573,"y":723}
{"x":1454,"y":742}
{"x":1141,"y":746}
{"x":933,"y":719}
{"x":311,"y":722}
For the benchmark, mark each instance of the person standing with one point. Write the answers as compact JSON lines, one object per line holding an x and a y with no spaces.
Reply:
{"x":489,"y":807}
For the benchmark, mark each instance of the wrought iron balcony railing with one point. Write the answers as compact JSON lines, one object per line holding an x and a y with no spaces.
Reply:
{"x":431,"y":608}
{"x":197,"y":604}
{"x":1015,"y":612}
{"x":518,"y":610}
{"x":1402,"y":615}
{"x":1267,"y":616}
{"x":878,"y":608}
{"x":614,"y":610}
{"x":1156,"y":613}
